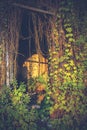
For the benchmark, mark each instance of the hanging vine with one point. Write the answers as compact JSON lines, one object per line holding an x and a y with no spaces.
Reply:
{"x":3,"y":36}
{"x":14,"y":25}
{"x":37,"y":40}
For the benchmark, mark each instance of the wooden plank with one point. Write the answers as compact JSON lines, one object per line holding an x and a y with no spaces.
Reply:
{"x":37,"y":62}
{"x":33,"y":9}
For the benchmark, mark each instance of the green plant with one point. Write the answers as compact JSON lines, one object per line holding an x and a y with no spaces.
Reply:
{"x":15,"y":112}
{"x":39,"y":87}
{"x":66,"y":77}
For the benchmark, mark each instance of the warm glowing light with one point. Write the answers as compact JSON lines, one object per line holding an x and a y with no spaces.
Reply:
{"x":36,"y":65}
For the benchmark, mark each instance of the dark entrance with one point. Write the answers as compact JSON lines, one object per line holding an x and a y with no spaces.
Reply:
{"x":27,"y":45}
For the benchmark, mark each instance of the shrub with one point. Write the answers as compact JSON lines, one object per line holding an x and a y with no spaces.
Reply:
{"x":15,"y":112}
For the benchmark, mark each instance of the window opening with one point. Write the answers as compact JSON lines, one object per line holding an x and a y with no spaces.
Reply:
{"x":30,"y":63}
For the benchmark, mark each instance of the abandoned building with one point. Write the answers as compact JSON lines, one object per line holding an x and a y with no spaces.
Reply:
{"x":33,"y":39}
{"x":24,"y":28}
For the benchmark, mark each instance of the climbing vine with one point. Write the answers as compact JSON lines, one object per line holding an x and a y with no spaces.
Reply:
{"x":66,"y":75}
{"x":60,"y":102}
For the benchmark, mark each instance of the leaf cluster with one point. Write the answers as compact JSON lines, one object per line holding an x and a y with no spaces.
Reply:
{"x":15,"y":112}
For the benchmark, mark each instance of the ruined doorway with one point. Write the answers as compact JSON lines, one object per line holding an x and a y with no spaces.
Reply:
{"x":31,"y":64}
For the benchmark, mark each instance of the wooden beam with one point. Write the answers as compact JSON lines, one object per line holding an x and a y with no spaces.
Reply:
{"x":33,"y":9}
{"x":37,"y":62}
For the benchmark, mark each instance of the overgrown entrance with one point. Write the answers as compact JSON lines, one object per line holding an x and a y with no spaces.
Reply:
{"x":33,"y":48}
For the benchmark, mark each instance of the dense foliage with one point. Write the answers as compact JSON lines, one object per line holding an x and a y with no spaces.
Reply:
{"x":60,"y":102}
{"x":15,"y":112}
{"x":67,"y":66}
{"x":22,"y":109}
